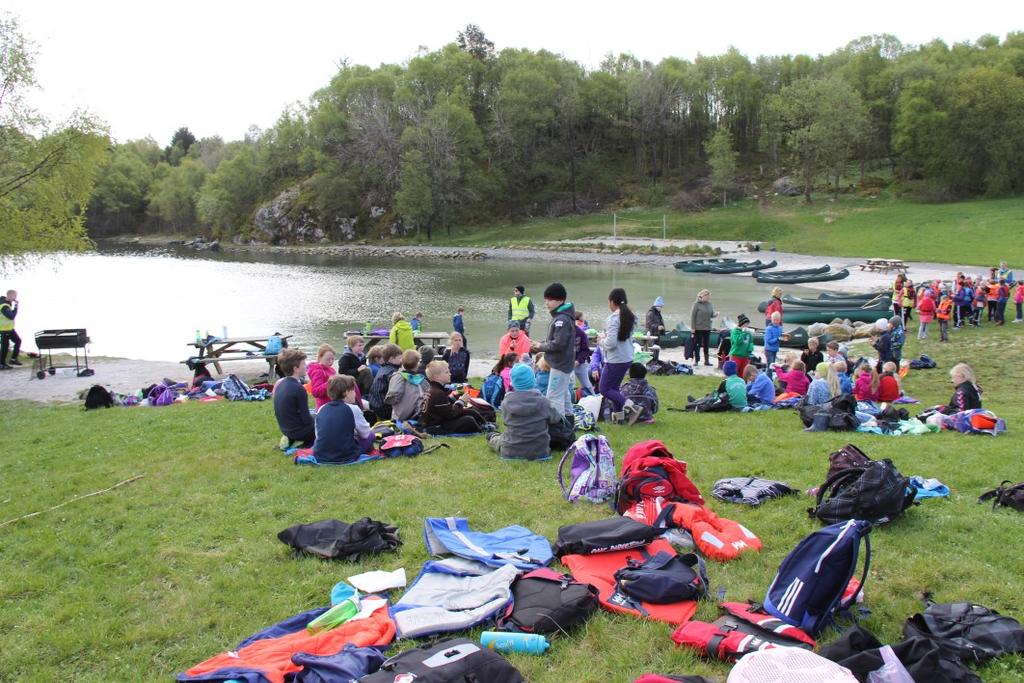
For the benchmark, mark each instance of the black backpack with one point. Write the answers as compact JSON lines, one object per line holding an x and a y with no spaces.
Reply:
{"x":98,"y":397}
{"x":562,"y":434}
{"x":663,"y":578}
{"x":451,"y":661}
{"x":1011,"y":496}
{"x":875,"y":492}
{"x":972,"y":632}
{"x":334,"y":540}
{"x":544,"y":601}
{"x":603,"y":536}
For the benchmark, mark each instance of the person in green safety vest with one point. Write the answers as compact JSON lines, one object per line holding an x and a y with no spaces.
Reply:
{"x":520,"y":308}
{"x":8,"y":311}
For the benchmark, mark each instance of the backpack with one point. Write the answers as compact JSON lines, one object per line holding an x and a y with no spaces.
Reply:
{"x":273,"y":346}
{"x":808,"y":588}
{"x":235,"y":388}
{"x":663,"y":578}
{"x":98,"y":397}
{"x":493,"y":390}
{"x":408,"y":445}
{"x":650,"y":471}
{"x":1009,"y":496}
{"x":846,"y":457}
{"x":603,"y":536}
{"x":584,"y":419}
{"x":591,"y":470}
{"x":335,"y":540}
{"x":160,"y":395}
{"x":562,"y":434}
{"x":544,"y":601}
{"x":875,"y":492}
{"x":972,"y":632}
{"x":451,"y":661}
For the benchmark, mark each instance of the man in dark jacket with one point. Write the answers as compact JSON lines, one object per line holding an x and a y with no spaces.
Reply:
{"x":559,"y":347}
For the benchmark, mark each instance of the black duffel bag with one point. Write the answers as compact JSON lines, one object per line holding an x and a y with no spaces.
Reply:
{"x":335,"y":540}
{"x":451,"y":661}
{"x":662,"y":578}
{"x":544,"y":601}
{"x":603,"y":536}
{"x":973,"y":632}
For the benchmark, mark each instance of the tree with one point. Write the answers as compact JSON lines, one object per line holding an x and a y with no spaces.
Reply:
{"x":821,"y":122}
{"x":181,"y":141}
{"x":473,"y":41}
{"x":46,"y":175}
{"x":722,"y":159}
{"x":415,"y":199}
{"x":174,"y":193}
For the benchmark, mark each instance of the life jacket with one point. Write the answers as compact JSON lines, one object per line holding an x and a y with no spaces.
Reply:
{"x":599,"y":570}
{"x":943,"y":312}
{"x":520,"y":307}
{"x":268,"y":653}
{"x":649,"y":470}
{"x":716,"y":537}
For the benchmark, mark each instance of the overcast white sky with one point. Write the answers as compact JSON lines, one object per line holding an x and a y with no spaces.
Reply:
{"x":147,"y":67}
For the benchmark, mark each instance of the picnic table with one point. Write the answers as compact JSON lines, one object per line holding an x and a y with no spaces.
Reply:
{"x":431,"y":339}
{"x":884,"y":265}
{"x":214,"y":351}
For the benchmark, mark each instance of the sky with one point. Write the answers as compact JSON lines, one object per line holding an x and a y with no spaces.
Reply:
{"x":148,"y":67}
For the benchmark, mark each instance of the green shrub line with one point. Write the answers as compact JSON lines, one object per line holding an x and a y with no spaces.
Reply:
{"x":151,"y":578}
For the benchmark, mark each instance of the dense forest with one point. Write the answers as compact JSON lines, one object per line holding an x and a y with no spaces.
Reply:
{"x":468,"y":134}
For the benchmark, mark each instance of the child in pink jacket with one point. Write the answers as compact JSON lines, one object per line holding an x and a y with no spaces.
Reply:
{"x":320,"y":372}
{"x":795,"y":379}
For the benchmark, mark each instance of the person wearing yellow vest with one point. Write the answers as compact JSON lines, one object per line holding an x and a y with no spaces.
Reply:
{"x":520,"y":308}
{"x":8,"y":310}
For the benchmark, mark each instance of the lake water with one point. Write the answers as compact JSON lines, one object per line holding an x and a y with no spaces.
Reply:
{"x":147,"y":303}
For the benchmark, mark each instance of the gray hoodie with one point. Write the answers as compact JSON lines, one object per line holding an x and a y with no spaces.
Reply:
{"x":560,"y":346}
{"x":403,"y":396}
{"x":615,"y":351}
{"x":526,"y":415}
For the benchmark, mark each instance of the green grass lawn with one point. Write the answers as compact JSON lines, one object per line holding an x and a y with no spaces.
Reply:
{"x":153,"y":577}
{"x":981,"y":232}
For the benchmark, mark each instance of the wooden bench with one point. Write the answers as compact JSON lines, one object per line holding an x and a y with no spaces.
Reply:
{"x":217,"y":360}
{"x":217,"y":351}
{"x":884,"y":265}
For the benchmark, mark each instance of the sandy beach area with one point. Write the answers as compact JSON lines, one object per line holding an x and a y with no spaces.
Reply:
{"x":128,"y":375}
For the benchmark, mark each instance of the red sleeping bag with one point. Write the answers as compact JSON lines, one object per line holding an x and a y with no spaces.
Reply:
{"x":599,"y":570}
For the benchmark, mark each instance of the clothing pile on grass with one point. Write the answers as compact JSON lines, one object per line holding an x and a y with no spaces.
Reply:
{"x":647,"y":559}
{"x":167,"y":392}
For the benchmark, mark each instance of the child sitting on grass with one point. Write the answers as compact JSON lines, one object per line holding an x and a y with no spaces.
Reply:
{"x":638,"y":390}
{"x":888,"y":383}
{"x":374,"y":359}
{"x":733,"y":386}
{"x":440,"y":413}
{"x":503,"y":368}
{"x":405,"y":388}
{"x":967,"y":395}
{"x":865,"y":383}
{"x":526,"y":414}
{"x":391,"y":354}
{"x":845,"y":383}
{"x":457,"y":357}
{"x":353,"y":363}
{"x":337,"y":438}
{"x":794,"y":380}
{"x":818,"y":392}
{"x":291,"y":402}
{"x":320,"y":373}
{"x":759,"y":386}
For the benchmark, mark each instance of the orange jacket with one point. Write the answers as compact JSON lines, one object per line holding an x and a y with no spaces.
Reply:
{"x":944,"y":310}
{"x":520,"y":345}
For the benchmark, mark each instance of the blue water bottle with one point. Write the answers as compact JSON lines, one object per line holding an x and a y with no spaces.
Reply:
{"x":527,"y":643}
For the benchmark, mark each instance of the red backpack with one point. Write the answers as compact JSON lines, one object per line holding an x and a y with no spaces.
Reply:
{"x":650,"y":471}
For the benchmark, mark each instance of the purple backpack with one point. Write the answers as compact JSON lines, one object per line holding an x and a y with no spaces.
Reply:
{"x":591,"y":470}
{"x":161,"y":395}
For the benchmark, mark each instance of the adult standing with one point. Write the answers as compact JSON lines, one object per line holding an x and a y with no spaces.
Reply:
{"x":655,"y":323}
{"x":515,"y":341}
{"x":520,"y":308}
{"x":559,"y":347}
{"x":617,"y":346}
{"x":774,"y":305}
{"x":1005,"y":274}
{"x":741,"y":344}
{"x":8,"y":311}
{"x":700,"y":323}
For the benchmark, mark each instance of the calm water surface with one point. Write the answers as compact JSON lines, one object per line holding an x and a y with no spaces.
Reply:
{"x":148,"y":303}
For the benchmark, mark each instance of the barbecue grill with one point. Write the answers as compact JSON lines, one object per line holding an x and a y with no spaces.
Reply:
{"x":48,"y":340}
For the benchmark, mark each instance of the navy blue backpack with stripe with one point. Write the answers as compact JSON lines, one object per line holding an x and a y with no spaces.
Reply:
{"x":808,"y":588}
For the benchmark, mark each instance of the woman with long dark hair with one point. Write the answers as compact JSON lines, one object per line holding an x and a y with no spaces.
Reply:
{"x":617,"y":347}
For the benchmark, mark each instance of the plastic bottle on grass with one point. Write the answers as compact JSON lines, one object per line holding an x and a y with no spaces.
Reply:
{"x":527,"y":643}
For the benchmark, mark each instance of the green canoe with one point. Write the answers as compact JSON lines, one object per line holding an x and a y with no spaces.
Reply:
{"x":741,"y":267}
{"x":867,"y":313}
{"x":702,"y":265}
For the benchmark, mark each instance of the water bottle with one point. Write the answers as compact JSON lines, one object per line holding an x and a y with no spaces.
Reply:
{"x":337,"y":615}
{"x":527,"y":643}
{"x":199,"y":339}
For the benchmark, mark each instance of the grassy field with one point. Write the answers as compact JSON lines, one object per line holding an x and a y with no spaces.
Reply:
{"x":144,"y":581}
{"x":979,"y":232}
